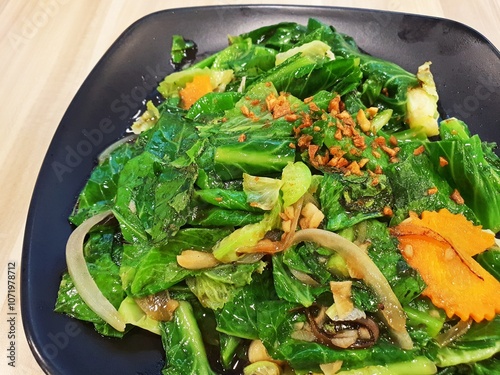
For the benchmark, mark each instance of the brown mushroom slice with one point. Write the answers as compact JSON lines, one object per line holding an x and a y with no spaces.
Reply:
{"x":355,"y":334}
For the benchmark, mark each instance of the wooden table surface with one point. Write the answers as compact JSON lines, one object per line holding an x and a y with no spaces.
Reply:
{"x":48,"y":47}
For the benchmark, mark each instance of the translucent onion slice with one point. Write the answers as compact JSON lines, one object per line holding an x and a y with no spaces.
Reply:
{"x":361,"y":266}
{"x":304,"y":277}
{"x":454,"y":332}
{"x":250,"y":258}
{"x":84,"y":283}
{"x":112,"y":147}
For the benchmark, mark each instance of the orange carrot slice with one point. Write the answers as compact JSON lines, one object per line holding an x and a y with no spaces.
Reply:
{"x":194,"y":90}
{"x":439,"y":246}
{"x":458,"y":231}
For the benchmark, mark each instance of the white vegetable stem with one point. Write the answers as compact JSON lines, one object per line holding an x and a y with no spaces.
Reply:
{"x":84,"y":283}
{"x":361,"y":266}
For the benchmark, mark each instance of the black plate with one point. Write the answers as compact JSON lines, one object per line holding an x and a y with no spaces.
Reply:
{"x":466,"y":69}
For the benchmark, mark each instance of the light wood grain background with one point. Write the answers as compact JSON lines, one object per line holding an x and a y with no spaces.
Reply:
{"x":48,"y":47}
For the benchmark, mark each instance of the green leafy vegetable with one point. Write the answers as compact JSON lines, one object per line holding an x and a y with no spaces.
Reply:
{"x":348,"y":200}
{"x":184,"y":344}
{"x":182,"y":49}
{"x":239,"y":316}
{"x":296,"y":179}
{"x":417,"y":186}
{"x":215,"y":287}
{"x":288,"y":287}
{"x":479,"y":343}
{"x":469,"y":171}
{"x":99,"y":192}
{"x":261,"y":192}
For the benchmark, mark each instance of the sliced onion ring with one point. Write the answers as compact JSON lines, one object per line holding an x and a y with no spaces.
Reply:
{"x":361,"y":266}
{"x":84,"y":283}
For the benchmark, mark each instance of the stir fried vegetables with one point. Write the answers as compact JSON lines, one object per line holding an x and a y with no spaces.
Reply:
{"x":283,"y":210}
